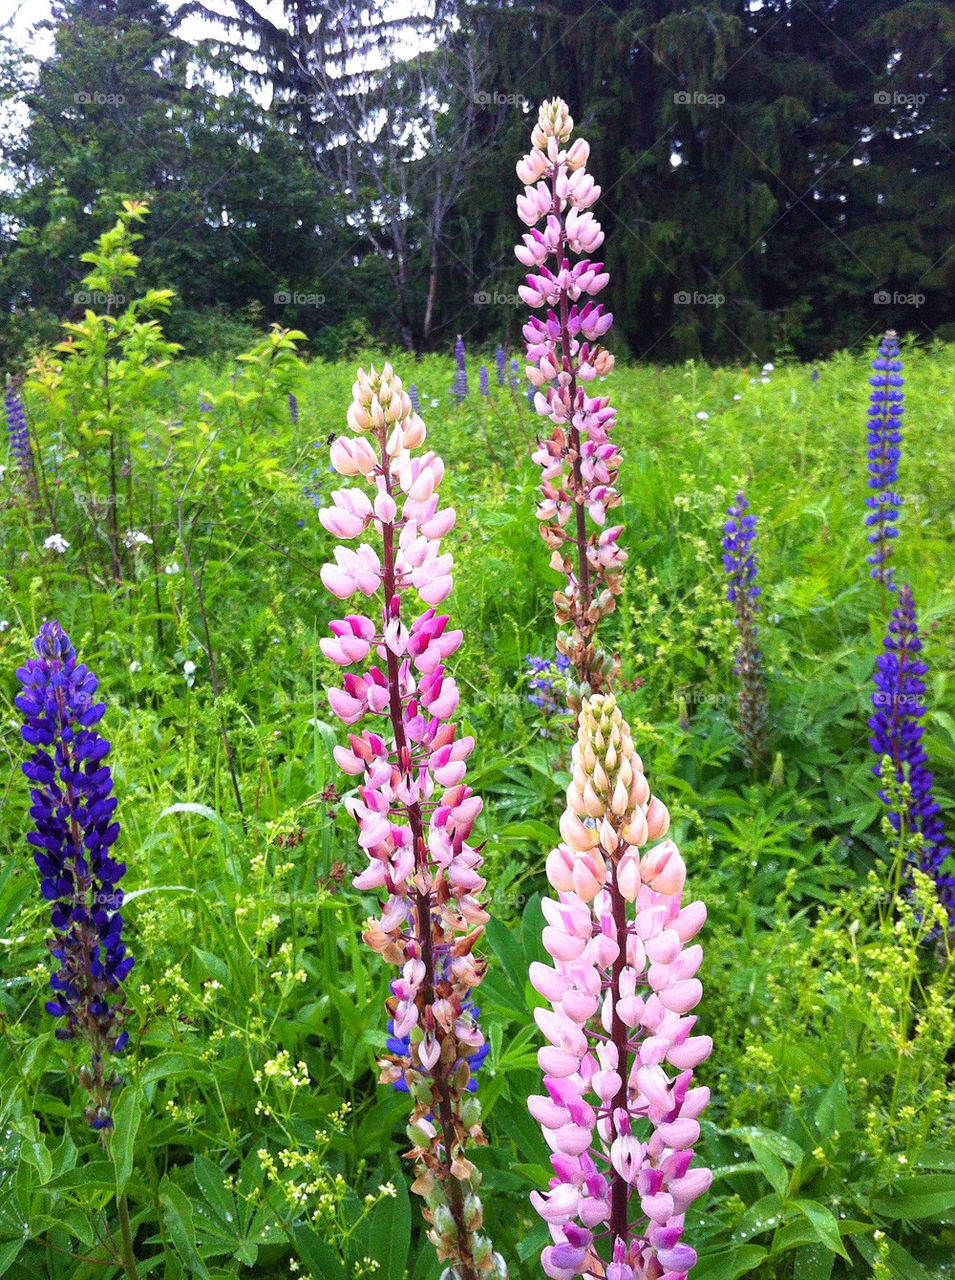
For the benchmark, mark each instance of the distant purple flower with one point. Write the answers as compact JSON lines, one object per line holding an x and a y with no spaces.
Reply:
{"x":413,"y":397}
{"x":293,"y":409}
{"x":460,"y":384}
{"x":547,"y":676}
{"x":885,"y":436}
{"x":73,"y":816}
{"x":739,"y":561}
{"x":500,"y":364}
{"x":898,"y":703}
{"x":204,"y":405}
{"x":483,"y":381}
{"x":512,"y":379}
{"x":19,"y":437}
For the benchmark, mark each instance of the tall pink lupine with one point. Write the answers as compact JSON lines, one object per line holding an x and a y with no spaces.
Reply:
{"x":413,"y":807}
{"x":578,"y":462}
{"x":620,"y":1125}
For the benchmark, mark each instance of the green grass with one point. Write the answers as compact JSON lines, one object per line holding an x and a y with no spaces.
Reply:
{"x":245,"y":928}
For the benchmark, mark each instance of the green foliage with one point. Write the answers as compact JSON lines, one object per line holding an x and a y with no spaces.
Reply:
{"x":257,"y":1009}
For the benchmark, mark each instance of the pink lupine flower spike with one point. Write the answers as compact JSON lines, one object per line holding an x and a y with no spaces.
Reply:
{"x":412,"y":805}
{"x":621,"y":988}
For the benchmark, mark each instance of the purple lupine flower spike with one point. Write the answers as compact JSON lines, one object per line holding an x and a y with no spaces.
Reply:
{"x":73,"y":815}
{"x":885,"y":436}
{"x":898,"y":705}
{"x":739,"y":561}
{"x":500,"y":365}
{"x":513,"y":375}
{"x":293,"y":409}
{"x":413,"y":397}
{"x":483,"y":381}
{"x":460,"y":385}
{"x":19,"y":438}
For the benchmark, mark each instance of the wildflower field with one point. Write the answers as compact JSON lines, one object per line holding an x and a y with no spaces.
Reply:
{"x":246,"y":1108}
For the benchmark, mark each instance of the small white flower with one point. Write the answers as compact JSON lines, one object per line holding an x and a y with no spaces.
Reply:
{"x":135,"y":538}
{"x":768,"y":368}
{"x":3,"y":472}
{"x":764,"y":379}
{"x":171,"y":568}
{"x":188,"y":667}
{"x":134,"y":666}
{"x":737,"y":397}
{"x":703,"y":417}
{"x":55,"y":542}
{"x":4,"y":625}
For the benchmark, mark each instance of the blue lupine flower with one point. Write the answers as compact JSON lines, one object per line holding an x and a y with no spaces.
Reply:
{"x":459,"y":387}
{"x":413,"y":397}
{"x":548,"y":675}
{"x":19,"y":437}
{"x":483,"y":380}
{"x":73,"y":816}
{"x":898,"y":704}
{"x":401,"y":1047}
{"x":739,"y":561}
{"x":513,"y":375}
{"x":500,"y":363}
{"x":293,"y":409}
{"x":885,"y":436}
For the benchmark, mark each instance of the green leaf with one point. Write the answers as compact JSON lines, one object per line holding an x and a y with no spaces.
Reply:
{"x":934,"y":1158}
{"x":211,"y":1182}
{"x":824,"y":1223}
{"x":127,"y":1115}
{"x":769,"y":1162}
{"x":177,"y":1215}
{"x":832,"y":1114}
{"x":389,"y":1230}
{"x":321,"y":1262}
{"x":33,"y":1148}
{"x":8,"y":1254}
{"x":727,"y":1266}
{"x":901,"y":1264}
{"x":813,"y":1262}
{"x":781,"y":1146}
{"x":927,"y":1195}
{"x":166,"y":1066}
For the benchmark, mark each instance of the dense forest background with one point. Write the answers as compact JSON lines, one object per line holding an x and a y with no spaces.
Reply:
{"x":776,"y":176}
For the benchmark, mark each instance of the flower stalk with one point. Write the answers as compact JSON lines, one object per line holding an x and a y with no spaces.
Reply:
{"x":621,"y":987}
{"x":578,"y":461}
{"x":898,"y":704}
{"x":74,"y":831}
{"x":739,"y":561}
{"x":884,"y":437}
{"x":413,"y":808}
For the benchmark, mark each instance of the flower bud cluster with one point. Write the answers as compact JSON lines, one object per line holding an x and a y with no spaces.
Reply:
{"x":578,"y":462}
{"x":621,"y":988}
{"x":414,"y":809}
